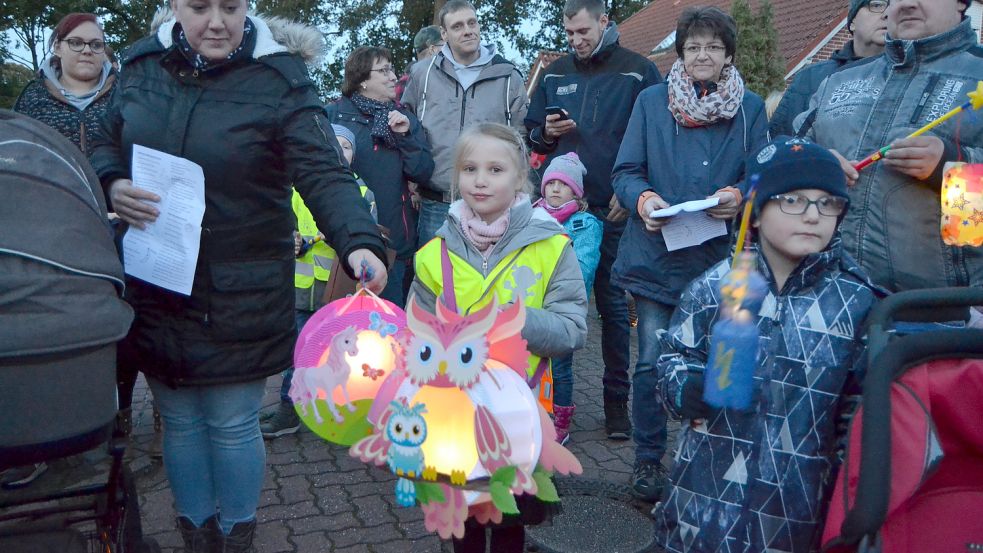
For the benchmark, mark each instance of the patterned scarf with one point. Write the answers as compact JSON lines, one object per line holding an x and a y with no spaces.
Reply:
{"x":561,"y":213}
{"x":202,"y":63}
{"x":379,"y":111}
{"x":689,"y":109}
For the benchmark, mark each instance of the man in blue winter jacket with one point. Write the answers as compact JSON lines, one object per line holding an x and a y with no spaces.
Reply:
{"x":595,"y":87}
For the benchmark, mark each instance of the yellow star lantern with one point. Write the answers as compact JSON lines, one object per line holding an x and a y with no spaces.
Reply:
{"x":962,"y":200}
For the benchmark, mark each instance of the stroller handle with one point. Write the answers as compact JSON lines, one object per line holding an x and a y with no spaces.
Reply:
{"x":928,"y":305}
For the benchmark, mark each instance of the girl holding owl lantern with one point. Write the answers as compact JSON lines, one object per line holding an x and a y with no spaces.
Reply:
{"x":494,"y":244}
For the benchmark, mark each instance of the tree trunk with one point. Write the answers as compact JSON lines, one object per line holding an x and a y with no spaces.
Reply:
{"x":437,"y":6}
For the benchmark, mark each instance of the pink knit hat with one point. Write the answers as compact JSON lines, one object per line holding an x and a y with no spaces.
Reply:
{"x":567,"y":169}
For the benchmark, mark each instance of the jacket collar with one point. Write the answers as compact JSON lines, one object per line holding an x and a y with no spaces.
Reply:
{"x":527,"y":225}
{"x":811,"y":270}
{"x":497,"y":67}
{"x":908,"y":52}
{"x":609,"y":41}
{"x":55,"y":90}
{"x":845,"y":54}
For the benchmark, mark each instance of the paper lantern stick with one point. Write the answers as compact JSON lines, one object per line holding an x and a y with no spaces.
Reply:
{"x":975,"y":103}
{"x":745,"y":219}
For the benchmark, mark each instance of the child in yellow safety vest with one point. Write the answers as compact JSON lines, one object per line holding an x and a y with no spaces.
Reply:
{"x":494,"y":243}
{"x":312,"y":270}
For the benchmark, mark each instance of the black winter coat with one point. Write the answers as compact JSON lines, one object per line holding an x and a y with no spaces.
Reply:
{"x":387,"y":170}
{"x":41,"y":100}
{"x":256,"y":126}
{"x":804,"y":85}
{"x":598,"y":94}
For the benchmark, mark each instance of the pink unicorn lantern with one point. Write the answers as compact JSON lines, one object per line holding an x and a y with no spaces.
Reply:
{"x":344,"y":354}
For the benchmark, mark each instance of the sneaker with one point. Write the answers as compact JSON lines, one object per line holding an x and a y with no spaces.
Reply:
{"x":283,"y":421}
{"x":616,"y":421}
{"x":648,"y":481}
{"x":18,"y":477}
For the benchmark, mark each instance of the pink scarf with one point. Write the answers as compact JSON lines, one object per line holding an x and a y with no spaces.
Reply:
{"x":562,"y":213}
{"x":483,"y":236}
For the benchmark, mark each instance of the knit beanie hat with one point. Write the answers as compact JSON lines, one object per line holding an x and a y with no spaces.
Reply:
{"x":855,"y":6}
{"x":788,"y":164}
{"x":342,"y":131}
{"x":567,"y":169}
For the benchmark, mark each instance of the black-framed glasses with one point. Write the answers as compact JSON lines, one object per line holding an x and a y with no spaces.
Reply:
{"x":878,"y":6}
{"x":77,"y":45}
{"x":387,"y":70}
{"x":793,"y":204}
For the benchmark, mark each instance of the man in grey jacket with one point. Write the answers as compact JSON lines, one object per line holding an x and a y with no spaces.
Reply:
{"x":931,"y":61}
{"x":465,"y":83}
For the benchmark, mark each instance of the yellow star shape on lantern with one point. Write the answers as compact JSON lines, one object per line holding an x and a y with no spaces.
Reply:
{"x":960,"y":202}
{"x":976,"y":96}
{"x":976,"y":217}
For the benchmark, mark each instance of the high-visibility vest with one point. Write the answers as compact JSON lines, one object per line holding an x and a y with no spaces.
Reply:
{"x":316,"y":263}
{"x":527,"y":270}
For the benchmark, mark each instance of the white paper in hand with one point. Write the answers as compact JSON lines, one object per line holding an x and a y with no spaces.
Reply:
{"x":691,"y":229}
{"x":166,"y":252}
{"x":686,"y":207}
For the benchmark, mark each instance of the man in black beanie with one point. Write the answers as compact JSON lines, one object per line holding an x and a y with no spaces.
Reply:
{"x":867,"y":22}
{"x":931,"y":60}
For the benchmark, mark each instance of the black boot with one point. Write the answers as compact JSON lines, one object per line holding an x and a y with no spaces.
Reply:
{"x":240,"y":539}
{"x":617,"y":424}
{"x":203,"y":539}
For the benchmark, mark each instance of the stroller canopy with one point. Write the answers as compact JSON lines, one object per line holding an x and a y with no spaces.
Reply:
{"x":60,"y":275}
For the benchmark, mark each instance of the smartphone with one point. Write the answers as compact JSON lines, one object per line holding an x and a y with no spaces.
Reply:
{"x":557,"y":110}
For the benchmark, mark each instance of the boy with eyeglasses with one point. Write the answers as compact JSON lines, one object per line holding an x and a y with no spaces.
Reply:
{"x":755,"y":480}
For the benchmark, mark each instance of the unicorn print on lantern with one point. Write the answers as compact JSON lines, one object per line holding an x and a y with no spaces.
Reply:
{"x":406,"y":431}
{"x":309,"y":382}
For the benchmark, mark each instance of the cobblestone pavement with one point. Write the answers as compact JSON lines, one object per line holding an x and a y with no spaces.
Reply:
{"x":317,"y":499}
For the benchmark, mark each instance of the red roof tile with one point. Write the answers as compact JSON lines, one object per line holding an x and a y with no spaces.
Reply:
{"x":801,"y":25}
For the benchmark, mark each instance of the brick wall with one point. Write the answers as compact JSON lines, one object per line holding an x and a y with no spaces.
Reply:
{"x":837,"y":42}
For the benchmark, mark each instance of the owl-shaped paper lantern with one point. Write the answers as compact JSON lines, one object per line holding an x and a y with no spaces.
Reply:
{"x":962,"y":204}
{"x":487,"y":436}
{"x":344,"y":354}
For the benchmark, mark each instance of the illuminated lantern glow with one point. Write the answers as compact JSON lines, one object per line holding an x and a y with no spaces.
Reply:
{"x":962,"y":204}
{"x":322,"y":377}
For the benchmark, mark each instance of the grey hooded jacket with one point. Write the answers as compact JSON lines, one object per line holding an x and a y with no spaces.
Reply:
{"x":560,"y":327}
{"x":892,"y":227}
{"x":446,"y":108}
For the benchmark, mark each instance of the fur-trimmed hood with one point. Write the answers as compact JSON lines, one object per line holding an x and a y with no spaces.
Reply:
{"x":274,"y":35}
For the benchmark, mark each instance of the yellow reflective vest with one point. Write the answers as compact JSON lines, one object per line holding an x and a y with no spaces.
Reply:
{"x":527,"y":271}
{"x":316,"y":263}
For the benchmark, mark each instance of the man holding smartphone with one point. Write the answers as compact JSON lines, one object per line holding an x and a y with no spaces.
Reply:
{"x":590,"y":93}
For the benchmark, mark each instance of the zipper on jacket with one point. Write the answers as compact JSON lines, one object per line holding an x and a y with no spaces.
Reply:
{"x":464,"y":107}
{"x":82,"y":133}
{"x":926,"y":94}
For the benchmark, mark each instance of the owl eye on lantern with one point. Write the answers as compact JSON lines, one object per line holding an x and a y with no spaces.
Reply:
{"x":962,"y":204}
{"x":487,"y":436}
{"x":345,"y":354}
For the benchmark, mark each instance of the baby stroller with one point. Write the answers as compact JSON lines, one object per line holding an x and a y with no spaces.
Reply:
{"x":912,"y":476}
{"x":60,"y":318}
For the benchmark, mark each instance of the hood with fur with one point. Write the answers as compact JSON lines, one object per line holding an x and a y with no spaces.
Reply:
{"x":273,"y":35}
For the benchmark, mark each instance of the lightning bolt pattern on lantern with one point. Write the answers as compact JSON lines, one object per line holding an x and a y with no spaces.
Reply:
{"x":962,"y":204}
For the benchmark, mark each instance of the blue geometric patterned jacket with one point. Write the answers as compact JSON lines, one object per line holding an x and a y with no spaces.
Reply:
{"x":755,"y":481}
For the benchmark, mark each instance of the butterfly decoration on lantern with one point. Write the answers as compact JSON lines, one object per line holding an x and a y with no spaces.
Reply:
{"x":480,"y":449}
{"x":344,"y":355}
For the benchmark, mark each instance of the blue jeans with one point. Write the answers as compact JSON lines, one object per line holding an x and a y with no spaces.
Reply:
{"x":647,"y":412}
{"x":213,"y":451}
{"x":612,"y":305}
{"x":432,"y":216}
{"x":563,"y":380}
{"x":288,"y":375}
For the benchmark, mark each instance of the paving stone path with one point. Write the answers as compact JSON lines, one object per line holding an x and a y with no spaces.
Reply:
{"x":318,"y":499}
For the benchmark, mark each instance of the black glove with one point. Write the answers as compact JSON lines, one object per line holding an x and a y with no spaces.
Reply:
{"x":691,"y":404}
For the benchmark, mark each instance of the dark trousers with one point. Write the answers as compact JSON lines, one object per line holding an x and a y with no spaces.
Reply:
{"x":612,"y":305}
{"x":504,"y":539}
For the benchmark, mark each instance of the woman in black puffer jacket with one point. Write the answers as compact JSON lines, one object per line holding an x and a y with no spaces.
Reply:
{"x":232,"y":94}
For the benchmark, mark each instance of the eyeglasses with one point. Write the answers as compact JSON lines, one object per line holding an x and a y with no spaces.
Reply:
{"x":387,"y":70}
{"x":793,"y":204}
{"x":877,"y":6}
{"x":711,"y":49}
{"x":77,"y":45}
